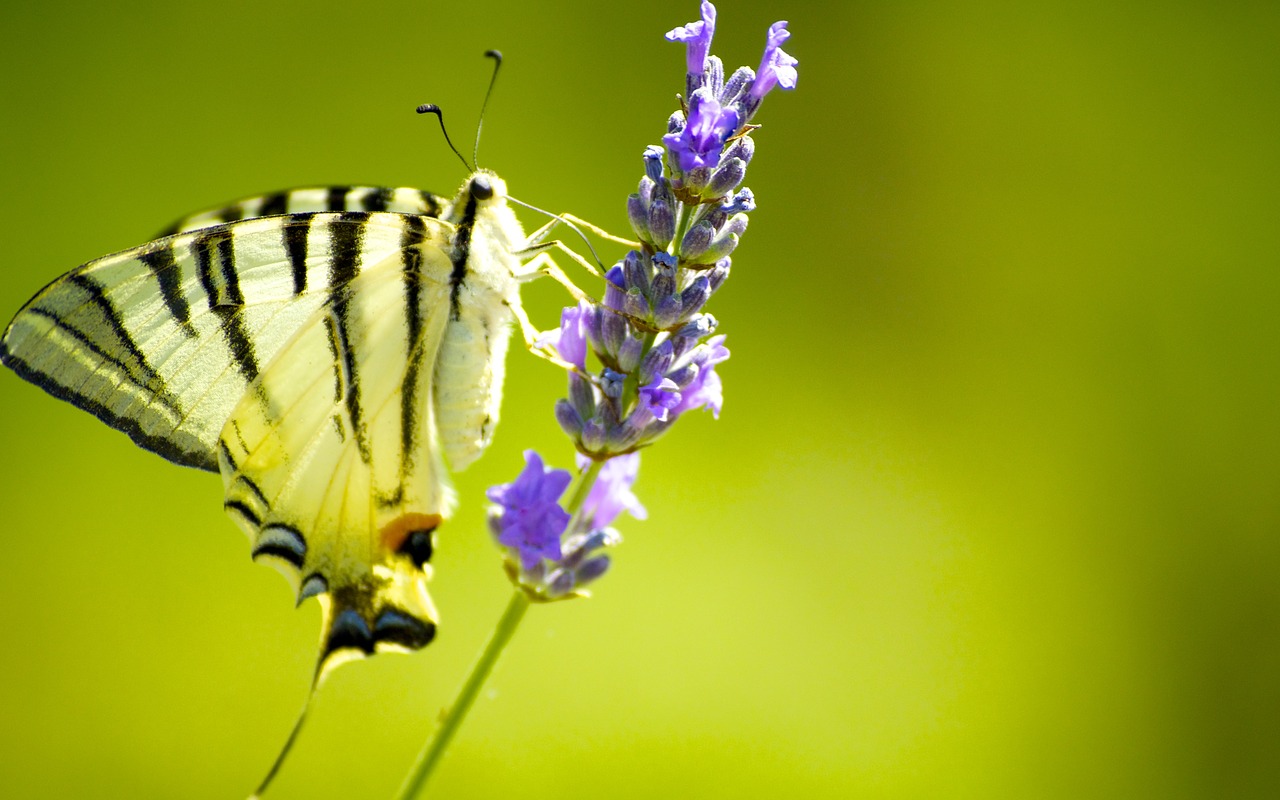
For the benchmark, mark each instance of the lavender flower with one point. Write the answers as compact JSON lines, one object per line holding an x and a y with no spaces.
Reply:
{"x":656,"y":347}
{"x":570,"y":339}
{"x":531,"y":520}
{"x":529,"y":523}
{"x":708,"y":127}
{"x":612,"y":493}
{"x":776,"y":67}
{"x":697,"y":35}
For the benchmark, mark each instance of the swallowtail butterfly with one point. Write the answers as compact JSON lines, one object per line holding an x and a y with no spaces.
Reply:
{"x":332,"y":352}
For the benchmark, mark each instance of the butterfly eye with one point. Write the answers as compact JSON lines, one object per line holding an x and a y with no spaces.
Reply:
{"x":481,"y":189}
{"x":417,"y":546}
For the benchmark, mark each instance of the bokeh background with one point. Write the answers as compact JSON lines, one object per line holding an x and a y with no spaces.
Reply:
{"x":991,"y":511}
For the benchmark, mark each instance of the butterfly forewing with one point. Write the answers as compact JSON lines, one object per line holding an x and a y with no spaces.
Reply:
{"x":162,"y":341}
{"x":311,"y":199}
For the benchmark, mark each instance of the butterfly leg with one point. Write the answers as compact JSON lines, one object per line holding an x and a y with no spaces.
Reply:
{"x":538,"y":235}
{"x":532,"y":336}
{"x":542,"y":264}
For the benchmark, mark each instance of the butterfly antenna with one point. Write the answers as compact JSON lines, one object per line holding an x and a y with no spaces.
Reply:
{"x":496,"y":55}
{"x":575,"y":228}
{"x":432,"y":108}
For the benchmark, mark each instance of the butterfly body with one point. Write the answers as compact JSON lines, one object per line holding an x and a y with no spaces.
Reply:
{"x":333,"y":353}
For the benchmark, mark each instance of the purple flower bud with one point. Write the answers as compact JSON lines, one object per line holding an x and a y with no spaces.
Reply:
{"x":667,"y":311}
{"x":696,"y":241}
{"x":695,"y":180}
{"x":736,"y":85}
{"x":613,"y":291}
{"x":662,"y":222}
{"x":737,"y":224}
{"x":719,"y":273}
{"x":653,"y":162}
{"x":638,"y":216}
{"x":683,"y":375}
{"x":591,"y":325}
{"x":582,"y":395}
{"x":695,"y":296}
{"x":611,"y":383}
{"x":744,"y":147}
{"x":592,"y":570}
{"x":569,"y":419}
{"x":636,"y":304}
{"x":698,"y":326}
{"x":559,"y":583}
{"x":628,"y":434}
{"x":657,"y":362}
{"x":635,"y":272}
{"x":664,"y":282}
{"x":613,"y":329}
{"x":726,"y":178}
{"x":646,"y":191}
{"x":697,"y":37}
{"x":722,"y":246}
{"x":714,"y":76}
{"x":727,"y":239}
{"x":629,"y":353}
{"x":742,"y":203}
{"x":532,"y":519}
{"x":593,"y":433}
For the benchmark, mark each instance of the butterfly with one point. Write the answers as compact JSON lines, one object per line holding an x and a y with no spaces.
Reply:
{"x":332,"y":352}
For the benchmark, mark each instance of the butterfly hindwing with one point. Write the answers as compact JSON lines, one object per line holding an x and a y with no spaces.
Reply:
{"x":330,"y":460}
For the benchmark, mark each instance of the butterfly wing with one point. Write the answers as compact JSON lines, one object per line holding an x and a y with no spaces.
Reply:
{"x":311,"y":199}
{"x":163,"y":340}
{"x":331,"y":461}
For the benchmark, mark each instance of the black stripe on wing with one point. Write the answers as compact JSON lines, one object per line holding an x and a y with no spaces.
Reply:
{"x":344,"y":265}
{"x":215,"y":257}
{"x":311,"y":199}
{"x":414,"y":234}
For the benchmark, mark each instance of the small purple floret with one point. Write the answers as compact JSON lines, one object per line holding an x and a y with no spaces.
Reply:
{"x":660,"y":397}
{"x":697,"y":35}
{"x":776,"y":67}
{"x":703,"y":137}
{"x":611,"y":494}
{"x":570,"y":340}
{"x":705,"y":390}
{"x":532,"y":519}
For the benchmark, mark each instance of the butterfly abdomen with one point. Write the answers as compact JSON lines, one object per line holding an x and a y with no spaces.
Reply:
{"x":469,"y":377}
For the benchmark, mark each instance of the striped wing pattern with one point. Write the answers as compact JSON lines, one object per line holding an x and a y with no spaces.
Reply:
{"x":337,"y":477}
{"x":163,"y":340}
{"x":296,"y":342}
{"x":399,"y":200}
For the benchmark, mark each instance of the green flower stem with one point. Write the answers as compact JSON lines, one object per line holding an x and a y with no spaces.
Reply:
{"x":502,"y":633}
{"x":435,"y":748}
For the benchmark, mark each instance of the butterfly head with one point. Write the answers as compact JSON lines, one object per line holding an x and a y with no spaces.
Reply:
{"x":483,"y":188}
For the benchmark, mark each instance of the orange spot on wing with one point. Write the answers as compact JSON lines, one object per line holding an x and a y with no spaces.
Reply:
{"x":397,"y":530}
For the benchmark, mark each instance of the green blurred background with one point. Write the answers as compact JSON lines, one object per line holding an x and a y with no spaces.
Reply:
{"x":991,"y":511}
